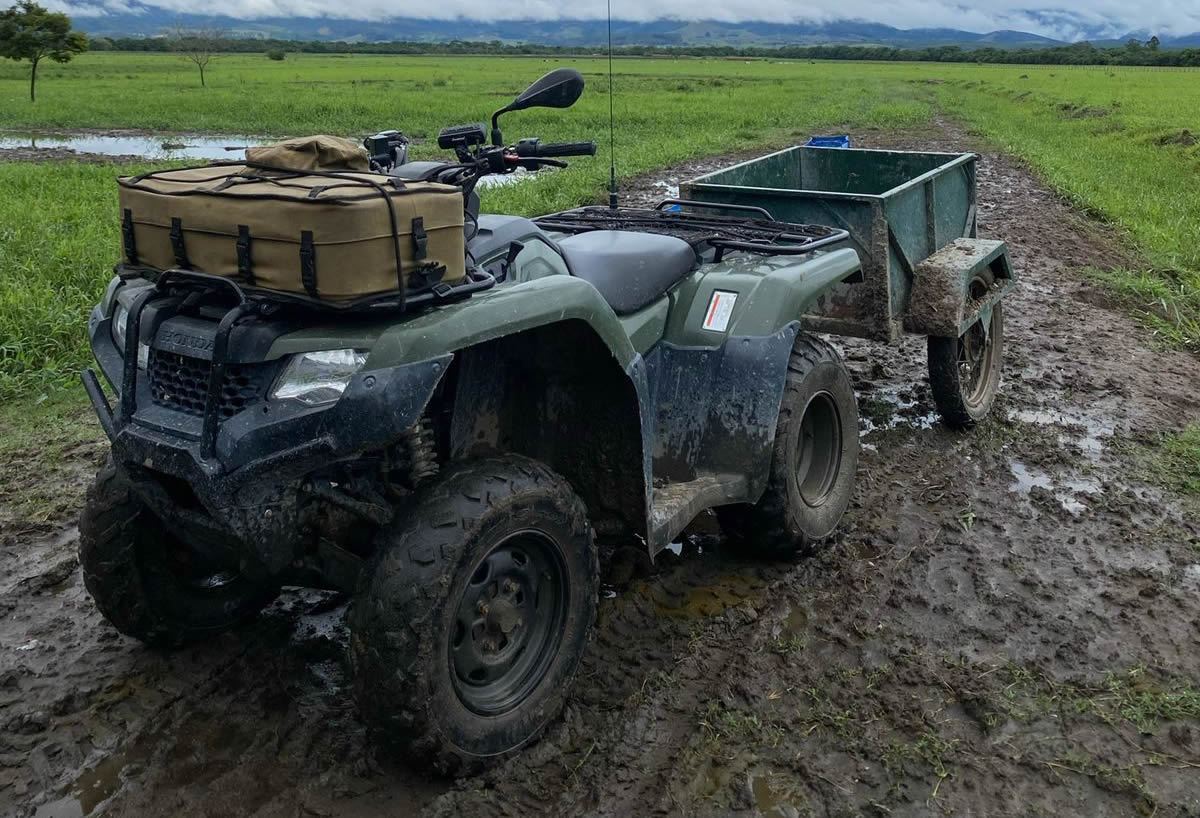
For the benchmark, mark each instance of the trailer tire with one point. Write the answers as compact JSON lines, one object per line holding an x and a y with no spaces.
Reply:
{"x":142,"y":578}
{"x":813,"y":463}
{"x":964,"y":372}
{"x":493,"y":562}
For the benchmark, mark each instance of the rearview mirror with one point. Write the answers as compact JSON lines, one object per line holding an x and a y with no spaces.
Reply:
{"x":558,"y":89}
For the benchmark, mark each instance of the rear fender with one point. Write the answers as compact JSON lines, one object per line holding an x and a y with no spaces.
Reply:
{"x":770,"y":292}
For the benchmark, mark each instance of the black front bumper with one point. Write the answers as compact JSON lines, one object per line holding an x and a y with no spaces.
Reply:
{"x":247,"y":476}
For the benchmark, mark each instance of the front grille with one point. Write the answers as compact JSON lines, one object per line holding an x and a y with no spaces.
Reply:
{"x":180,"y":382}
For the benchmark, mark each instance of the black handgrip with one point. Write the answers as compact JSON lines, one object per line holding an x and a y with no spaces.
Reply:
{"x":534,"y":149}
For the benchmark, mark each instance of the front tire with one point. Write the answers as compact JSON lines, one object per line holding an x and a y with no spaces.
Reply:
{"x":148,"y":582}
{"x":471,"y":620}
{"x":814,"y":460}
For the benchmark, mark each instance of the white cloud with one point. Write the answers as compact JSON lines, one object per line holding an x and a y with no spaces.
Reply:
{"x":1090,"y":17}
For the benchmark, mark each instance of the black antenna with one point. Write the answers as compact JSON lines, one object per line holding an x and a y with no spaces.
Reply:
{"x":612,"y":139}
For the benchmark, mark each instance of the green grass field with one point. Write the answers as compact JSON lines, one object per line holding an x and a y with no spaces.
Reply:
{"x":1111,"y":140}
{"x":58,"y":236}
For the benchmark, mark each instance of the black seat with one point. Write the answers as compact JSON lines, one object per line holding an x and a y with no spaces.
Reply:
{"x":629,"y":269}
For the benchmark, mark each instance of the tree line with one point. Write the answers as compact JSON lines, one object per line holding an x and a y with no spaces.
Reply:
{"x":1134,"y":52}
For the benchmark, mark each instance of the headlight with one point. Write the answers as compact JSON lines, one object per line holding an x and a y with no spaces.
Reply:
{"x":120,"y":324}
{"x":120,"y":320}
{"x":314,"y":378}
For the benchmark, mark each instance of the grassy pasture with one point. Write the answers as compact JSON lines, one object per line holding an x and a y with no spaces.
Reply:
{"x":1121,"y":144}
{"x":58,"y":232}
{"x":1114,"y":141}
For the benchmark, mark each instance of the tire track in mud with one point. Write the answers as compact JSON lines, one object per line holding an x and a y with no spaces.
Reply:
{"x":1007,"y":622}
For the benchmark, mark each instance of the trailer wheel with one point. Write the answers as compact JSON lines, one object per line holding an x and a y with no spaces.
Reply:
{"x":473,"y":614}
{"x":813,"y":465}
{"x":964,"y":372}
{"x":147,"y":581}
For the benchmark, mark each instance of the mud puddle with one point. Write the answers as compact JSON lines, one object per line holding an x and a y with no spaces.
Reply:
{"x":148,"y":146}
{"x":1074,"y":493}
{"x":136,"y":146}
{"x":971,"y":642}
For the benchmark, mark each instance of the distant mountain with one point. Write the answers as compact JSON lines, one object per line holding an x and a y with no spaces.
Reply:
{"x":148,"y":21}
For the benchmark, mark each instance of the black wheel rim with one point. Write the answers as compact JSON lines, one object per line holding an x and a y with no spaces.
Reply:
{"x":976,"y":359}
{"x":508,"y":623}
{"x":819,"y":455}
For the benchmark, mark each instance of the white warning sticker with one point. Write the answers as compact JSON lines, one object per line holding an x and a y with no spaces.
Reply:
{"x":719,"y":310}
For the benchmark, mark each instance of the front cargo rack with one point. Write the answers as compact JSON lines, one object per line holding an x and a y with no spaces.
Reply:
{"x":756,"y":232}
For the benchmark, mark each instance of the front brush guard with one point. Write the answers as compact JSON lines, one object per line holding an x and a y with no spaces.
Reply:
{"x":250,"y":483}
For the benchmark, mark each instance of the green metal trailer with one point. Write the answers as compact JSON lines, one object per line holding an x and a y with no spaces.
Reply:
{"x":912,"y":219}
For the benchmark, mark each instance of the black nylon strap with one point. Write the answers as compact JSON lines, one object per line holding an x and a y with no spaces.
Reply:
{"x":420,"y":238}
{"x":127,"y":234}
{"x":177,"y":245}
{"x":245,"y":265}
{"x":308,"y":263}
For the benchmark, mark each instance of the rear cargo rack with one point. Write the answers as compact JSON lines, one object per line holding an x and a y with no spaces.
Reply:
{"x":756,"y":232}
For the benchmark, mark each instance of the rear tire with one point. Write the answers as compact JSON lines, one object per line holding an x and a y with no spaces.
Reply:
{"x":470,"y":621}
{"x":964,"y":372}
{"x":146,"y":581}
{"x":814,"y":460}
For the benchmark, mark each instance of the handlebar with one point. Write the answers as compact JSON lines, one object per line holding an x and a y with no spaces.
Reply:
{"x":534,"y":149}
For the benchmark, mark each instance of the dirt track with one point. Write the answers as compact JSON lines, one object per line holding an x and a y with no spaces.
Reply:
{"x":1008,"y":624}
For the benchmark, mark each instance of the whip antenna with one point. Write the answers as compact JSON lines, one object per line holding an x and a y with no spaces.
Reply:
{"x":612,"y":139}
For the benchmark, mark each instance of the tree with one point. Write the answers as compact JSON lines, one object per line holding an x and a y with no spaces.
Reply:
{"x":30,"y":32}
{"x":198,"y":46}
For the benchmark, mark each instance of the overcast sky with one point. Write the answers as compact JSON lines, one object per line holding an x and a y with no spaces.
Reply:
{"x":1077,"y":19}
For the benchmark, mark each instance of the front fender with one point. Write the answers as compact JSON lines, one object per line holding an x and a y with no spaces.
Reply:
{"x":505,"y":310}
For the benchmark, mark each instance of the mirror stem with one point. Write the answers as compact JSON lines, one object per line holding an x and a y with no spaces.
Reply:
{"x":497,"y":139}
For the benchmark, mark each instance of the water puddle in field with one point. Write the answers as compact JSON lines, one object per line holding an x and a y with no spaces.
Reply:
{"x":508,"y":179}
{"x":794,"y":625}
{"x":891,"y":408}
{"x":171,"y":147}
{"x":766,"y":800}
{"x":1070,"y":492}
{"x":1086,"y":432}
{"x":684,"y":600}
{"x":160,"y":146}
{"x":668,"y":189}
{"x":1191,"y":575}
{"x":98,"y":783}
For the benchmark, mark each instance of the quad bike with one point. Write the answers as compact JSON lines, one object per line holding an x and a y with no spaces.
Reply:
{"x":612,"y":373}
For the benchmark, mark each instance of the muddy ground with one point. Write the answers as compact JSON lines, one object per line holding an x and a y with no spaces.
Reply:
{"x":1007,"y":623}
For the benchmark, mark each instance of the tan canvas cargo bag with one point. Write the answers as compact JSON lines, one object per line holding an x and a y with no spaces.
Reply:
{"x":339,"y":237}
{"x":320,"y":152}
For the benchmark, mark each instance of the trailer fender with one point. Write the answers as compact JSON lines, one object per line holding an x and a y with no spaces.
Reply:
{"x":940,"y":305}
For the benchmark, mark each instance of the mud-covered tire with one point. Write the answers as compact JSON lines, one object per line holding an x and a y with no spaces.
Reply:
{"x":136,"y":580}
{"x":813,"y":463}
{"x":433,"y":568}
{"x":964,"y":372}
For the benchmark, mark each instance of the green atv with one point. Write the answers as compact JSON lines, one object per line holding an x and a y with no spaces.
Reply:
{"x":451,"y":465}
